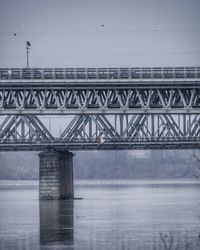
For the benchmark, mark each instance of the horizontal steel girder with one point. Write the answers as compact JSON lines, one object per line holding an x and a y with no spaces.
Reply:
{"x":104,"y":100}
{"x":99,"y":132}
{"x":94,"y":146}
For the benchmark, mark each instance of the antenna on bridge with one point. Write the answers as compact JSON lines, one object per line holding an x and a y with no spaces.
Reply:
{"x":28,"y":45}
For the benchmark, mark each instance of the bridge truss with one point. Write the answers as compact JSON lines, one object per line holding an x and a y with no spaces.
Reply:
{"x":127,"y":113}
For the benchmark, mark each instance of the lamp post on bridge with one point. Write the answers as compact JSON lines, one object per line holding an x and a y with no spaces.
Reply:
{"x":28,"y":45}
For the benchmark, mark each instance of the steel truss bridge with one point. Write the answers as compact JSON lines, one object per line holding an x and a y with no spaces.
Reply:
{"x":104,"y":108}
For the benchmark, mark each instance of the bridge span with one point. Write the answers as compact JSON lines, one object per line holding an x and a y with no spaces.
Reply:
{"x":104,"y":109}
{"x":129,"y":108}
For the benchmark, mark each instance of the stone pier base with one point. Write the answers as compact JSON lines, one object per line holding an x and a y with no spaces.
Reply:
{"x":56,"y":175}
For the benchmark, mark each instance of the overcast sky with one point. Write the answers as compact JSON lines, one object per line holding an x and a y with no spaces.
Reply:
{"x":100,"y":33}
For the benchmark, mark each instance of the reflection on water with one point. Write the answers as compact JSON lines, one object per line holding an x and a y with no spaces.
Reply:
{"x":56,"y":222}
{"x":113,"y":215}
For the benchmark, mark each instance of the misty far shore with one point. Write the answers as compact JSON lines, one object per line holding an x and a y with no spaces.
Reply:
{"x":108,"y":164}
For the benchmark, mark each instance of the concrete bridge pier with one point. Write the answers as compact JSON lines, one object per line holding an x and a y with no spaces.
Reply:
{"x":56,"y":175}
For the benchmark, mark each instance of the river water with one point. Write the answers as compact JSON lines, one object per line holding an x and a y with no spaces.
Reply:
{"x":133,"y":214}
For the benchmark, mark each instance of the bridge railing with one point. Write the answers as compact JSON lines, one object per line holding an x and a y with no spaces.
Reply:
{"x":99,"y":73}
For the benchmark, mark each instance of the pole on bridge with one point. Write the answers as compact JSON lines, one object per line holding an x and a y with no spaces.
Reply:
{"x":28,"y":45}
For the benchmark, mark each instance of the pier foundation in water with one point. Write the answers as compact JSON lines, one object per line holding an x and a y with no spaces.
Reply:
{"x":56,"y":175}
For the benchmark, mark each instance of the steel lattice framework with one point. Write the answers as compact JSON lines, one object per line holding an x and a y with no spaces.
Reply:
{"x":123,"y":108}
{"x":100,"y":99}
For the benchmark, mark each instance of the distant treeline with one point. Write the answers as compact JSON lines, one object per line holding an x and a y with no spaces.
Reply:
{"x":108,"y":164}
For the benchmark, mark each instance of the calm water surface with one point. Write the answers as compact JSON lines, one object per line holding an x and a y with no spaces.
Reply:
{"x":137,"y":214}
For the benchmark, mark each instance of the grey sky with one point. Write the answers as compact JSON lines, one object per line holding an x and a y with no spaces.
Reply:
{"x":69,"y":33}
